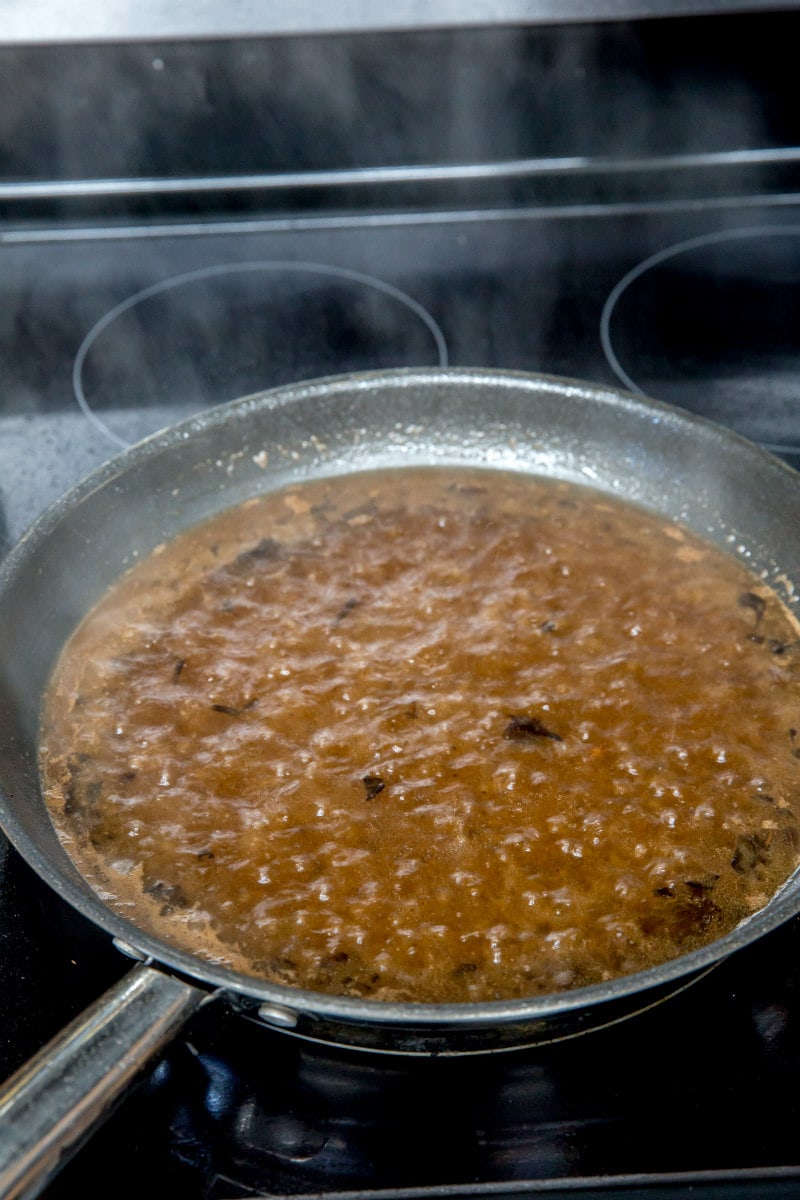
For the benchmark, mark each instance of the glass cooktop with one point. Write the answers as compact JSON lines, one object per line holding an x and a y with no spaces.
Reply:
{"x":107,"y":335}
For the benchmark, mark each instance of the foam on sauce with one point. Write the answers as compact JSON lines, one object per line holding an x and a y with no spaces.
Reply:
{"x":431,"y":735}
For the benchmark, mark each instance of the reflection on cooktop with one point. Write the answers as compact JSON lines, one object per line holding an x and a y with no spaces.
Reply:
{"x":711,"y":323}
{"x":224,"y":331}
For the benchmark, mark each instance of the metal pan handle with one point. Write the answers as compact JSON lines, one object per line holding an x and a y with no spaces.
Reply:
{"x":54,"y":1101}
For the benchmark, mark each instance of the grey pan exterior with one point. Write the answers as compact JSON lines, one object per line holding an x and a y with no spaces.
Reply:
{"x":681,"y":466}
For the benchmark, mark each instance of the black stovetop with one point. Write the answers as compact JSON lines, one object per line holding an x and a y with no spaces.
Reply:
{"x":107,"y":334}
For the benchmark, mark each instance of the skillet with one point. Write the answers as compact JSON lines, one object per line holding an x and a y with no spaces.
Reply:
{"x":683,"y":467}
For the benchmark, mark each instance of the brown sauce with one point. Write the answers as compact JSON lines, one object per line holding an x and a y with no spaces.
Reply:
{"x":431,"y":735}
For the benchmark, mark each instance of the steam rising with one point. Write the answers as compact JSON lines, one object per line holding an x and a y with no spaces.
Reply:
{"x":324,"y":104}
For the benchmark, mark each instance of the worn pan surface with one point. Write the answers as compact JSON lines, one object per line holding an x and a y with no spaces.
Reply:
{"x":683,"y":467}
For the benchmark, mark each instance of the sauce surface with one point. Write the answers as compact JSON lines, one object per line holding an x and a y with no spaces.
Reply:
{"x":431,"y":735}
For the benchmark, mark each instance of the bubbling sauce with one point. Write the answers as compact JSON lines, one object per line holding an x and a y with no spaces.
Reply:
{"x":431,"y":735}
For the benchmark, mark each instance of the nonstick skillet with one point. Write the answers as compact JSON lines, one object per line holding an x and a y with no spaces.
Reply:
{"x":680,"y":466}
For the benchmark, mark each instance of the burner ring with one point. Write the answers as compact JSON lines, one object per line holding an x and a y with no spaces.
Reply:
{"x":647,"y":264}
{"x":222,"y":270}
{"x":711,"y":324}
